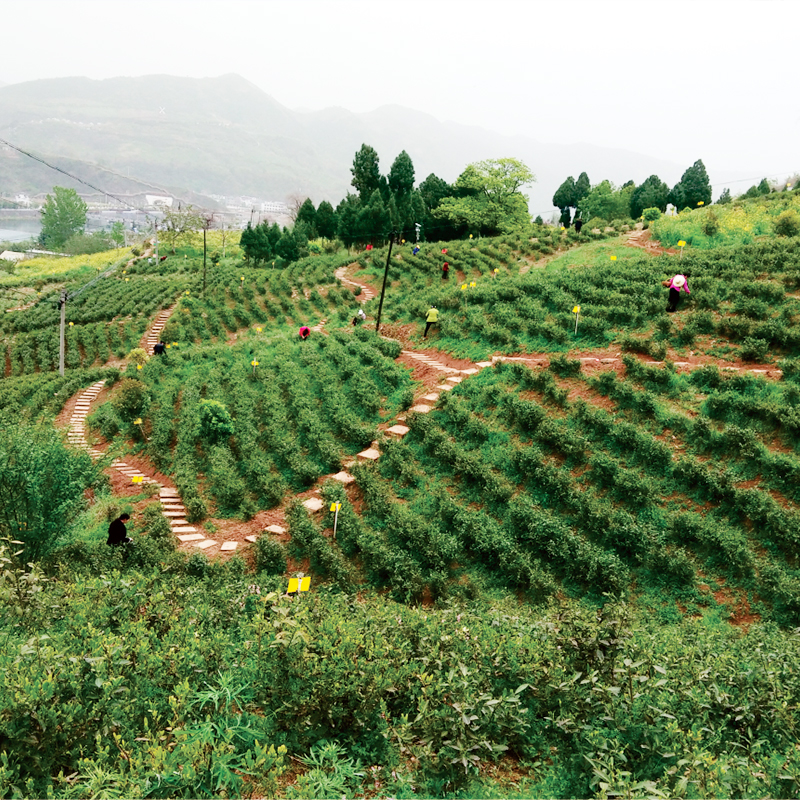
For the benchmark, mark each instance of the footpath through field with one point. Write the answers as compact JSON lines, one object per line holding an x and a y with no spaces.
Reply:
{"x":436,"y":373}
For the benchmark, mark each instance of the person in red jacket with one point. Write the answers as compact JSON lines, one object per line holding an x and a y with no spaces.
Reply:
{"x":304,"y":332}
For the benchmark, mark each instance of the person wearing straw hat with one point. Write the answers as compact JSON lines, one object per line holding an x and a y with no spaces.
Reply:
{"x":677,"y":285}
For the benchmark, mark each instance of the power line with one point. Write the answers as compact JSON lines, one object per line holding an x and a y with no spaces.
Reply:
{"x":70,"y":175}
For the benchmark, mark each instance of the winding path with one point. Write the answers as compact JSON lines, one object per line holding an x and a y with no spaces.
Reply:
{"x":434,"y":375}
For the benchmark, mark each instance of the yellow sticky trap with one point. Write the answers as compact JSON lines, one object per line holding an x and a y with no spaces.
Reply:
{"x":681,"y":243}
{"x":138,"y":366}
{"x":292,"y":586}
{"x":137,"y":479}
{"x":701,"y":202}
{"x":258,"y":330}
{"x":254,"y":363}
{"x":473,"y":283}
{"x":464,"y":286}
{"x":576,"y":310}
{"x":305,"y":584}
{"x":336,"y":506}
{"x":137,"y":421}
{"x":613,"y":258}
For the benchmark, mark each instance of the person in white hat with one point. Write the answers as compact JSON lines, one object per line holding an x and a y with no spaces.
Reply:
{"x":677,"y":285}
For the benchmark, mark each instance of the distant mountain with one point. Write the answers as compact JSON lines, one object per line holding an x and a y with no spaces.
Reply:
{"x":225,"y":136}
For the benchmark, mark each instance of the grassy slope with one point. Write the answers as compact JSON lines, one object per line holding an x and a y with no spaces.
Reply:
{"x":676,"y":491}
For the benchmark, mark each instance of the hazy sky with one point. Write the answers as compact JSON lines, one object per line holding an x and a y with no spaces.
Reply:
{"x":678,"y":80}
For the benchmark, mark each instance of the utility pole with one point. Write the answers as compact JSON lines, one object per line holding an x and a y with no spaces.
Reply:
{"x":385,"y":275}
{"x":63,"y":304}
{"x":155,"y":235}
{"x":205,"y":228}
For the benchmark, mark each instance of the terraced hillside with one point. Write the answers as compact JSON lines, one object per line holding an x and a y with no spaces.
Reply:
{"x":552,"y":553}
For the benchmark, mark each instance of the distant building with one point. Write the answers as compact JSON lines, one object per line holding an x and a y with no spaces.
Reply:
{"x":23,"y":200}
{"x":274,"y":207}
{"x":159,"y":200}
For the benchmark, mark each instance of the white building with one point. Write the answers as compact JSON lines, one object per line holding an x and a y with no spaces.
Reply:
{"x":158,"y":200}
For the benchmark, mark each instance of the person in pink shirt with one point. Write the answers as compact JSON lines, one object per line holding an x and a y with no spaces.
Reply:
{"x":677,"y":285}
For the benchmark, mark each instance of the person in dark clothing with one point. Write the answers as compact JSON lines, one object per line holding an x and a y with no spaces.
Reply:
{"x":159,"y":349}
{"x":445,"y":271}
{"x":578,"y":225}
{"x":117,"y":532}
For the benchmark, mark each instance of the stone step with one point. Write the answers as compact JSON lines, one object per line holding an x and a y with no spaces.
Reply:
{"x":421,"y":408}
{"x":397,"y":430}
{"x":251,"y":539}
{"x":177,"y":523}
{"x":313,"y":504}
{"x":174,"y":513}
{"x":342,"y":477}
{"x":275,"y":529}
{"x":430,"y":398}
{"x":370,"y":454}
{"x":454,"y":379}
{"x":469,"y":371}
{"x":227,"y":546}
{"x":191,"y":537}
{"x":484,"y":364}
{"x":205,"y":544}
{"x":446,"y":387}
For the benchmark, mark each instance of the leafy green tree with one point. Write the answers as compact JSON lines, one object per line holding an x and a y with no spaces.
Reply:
{"x":178,"y":223}
{"x":725,"y":197}
{"x":652,"y":193}
{"x":764,"y":187}
{"x":42,"y":487}
{"x":63,"y":215}
{"x":607,"y":202}
{"x":401,"y":176}
{"x":490,"y":201}
{"x":431,"y":192}
{"x":307,"y":215}
{"x":117,"y":234}
{"x":366,"y":172}
{"x":326,"y":220}
{"x":693,"y":189}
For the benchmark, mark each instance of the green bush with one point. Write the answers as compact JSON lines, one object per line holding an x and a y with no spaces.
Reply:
{"x":787,"y":223}
{"x":270,"y":555}
{"x":215,"y":421}
{"x":651,"y":214}
{"x":131,"y":399}
{"x":42,"y":487}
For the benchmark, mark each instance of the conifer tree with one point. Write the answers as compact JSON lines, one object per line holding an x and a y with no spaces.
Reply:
{"x":366,"y":172}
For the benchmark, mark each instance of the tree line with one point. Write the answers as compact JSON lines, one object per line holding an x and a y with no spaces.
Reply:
{"x":579,"y":199}
{"x":485,"y":200}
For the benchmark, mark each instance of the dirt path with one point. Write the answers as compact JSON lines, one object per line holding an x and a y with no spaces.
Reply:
{"x":642,"y":240}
